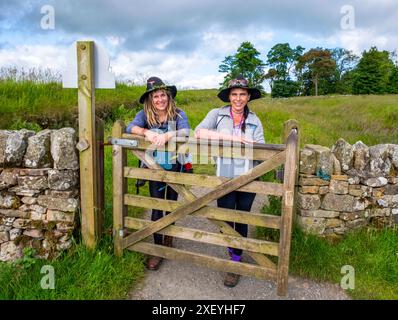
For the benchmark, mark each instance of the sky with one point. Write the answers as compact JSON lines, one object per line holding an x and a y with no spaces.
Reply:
{"x":184,"y":41}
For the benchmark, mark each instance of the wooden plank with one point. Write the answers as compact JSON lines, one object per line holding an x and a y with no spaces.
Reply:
{"x":119,"y":188}
{"x":222,"y":190}
{"x":189,"y":196}
{"x":222,"y":214}
{"x":210,"y":148}
{"x":100,"y":176}
{"x":88,"y":157}
{"x":239,"y":242}
{"x":219,"y":264}
{"x":202,"y":180}
{"x":287,"y":214}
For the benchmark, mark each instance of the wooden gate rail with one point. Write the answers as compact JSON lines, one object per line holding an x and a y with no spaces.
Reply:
{"x":272,"y":157}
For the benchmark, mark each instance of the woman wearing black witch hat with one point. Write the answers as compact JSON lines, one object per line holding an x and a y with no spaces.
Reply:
{"x":159,"y":121}
{"x":234,"y":122}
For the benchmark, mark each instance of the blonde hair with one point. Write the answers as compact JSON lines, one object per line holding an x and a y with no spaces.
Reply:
{"x":151,"y":112}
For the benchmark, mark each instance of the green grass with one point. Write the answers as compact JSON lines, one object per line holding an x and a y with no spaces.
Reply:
{"x":372,"y":253}
{"x":84,"y":274}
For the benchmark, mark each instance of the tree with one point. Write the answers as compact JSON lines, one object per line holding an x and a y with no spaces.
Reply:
{"x":282,"y":58}
{"x":346,"y":61}
{"x":246,"y":62}
{"x":373,"y":73}
{"x":316,"y":65}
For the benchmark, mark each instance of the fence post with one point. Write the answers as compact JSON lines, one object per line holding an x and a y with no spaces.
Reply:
{"x":288,"y":204}
{"x":119,"y":161}
{"x":100,"y":176}
{"x":87,"y":142}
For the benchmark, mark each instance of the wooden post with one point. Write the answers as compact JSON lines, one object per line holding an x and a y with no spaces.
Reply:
{"x":87,"y":142}
{"x":288,"y":204}
{"x":119,"y":157}
{"x":100,"y":176}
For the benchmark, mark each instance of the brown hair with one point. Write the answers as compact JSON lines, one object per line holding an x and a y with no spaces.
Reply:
{"x":151,"y":113}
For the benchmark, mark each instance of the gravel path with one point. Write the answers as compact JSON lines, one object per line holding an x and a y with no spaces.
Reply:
{"x":182,"y":281}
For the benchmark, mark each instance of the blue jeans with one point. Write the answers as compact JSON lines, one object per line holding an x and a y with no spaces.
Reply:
{"x":158,"y":190}
{"x":237,"y":200}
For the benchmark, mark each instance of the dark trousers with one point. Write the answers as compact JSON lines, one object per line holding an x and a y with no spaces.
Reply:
{"x":239,"y":201}
{"x":159,"y":190}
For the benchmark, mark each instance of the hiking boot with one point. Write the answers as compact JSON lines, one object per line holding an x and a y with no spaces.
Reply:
{"x":154,"y":263}
{"x":168,"y":241}
{"x":231,"y":279}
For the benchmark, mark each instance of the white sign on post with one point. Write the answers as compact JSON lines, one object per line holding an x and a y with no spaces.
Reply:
{"x":103,"y":78}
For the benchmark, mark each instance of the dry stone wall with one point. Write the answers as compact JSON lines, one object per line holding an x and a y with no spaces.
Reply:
{"x":39,"y":191}
{"x":347,"y":187}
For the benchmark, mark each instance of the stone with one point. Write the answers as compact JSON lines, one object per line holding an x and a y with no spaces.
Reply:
{"x":354,"y":180}
{"x":324,"y":167}
{"x":69,"y":204}
{"x":10,"y":251}
{"x":24,"y":192}
{"x":64,"y":245}
{"x":8,"y":178}
{"x":63,"y":149}
{"x":33,"y":172}
{"x":55,"y":215}
{"x":340,"y":230}
{"x":16,"y":145}
{"x":14,"y":213}
{"x":361,"y":155}
{"x":33,"y":183}
{"x":337,"y":202}
{"x":344,"y":153}
{"x":355,"y":224}
{"x":394,"y":216}
{"x":391,"y":189}
{"x":338,"y":187}
{"x":62,"y":194}
{"x":37,"y":216}
{"x":340,"y":177}
{"x":65,"y":226}
{"x":9,"y":202}
{"x":15,"y":233}
{"x":312,"y":181}
{"x":62,"y":179}
{"x":390,"y":201}
{"x":309,"y":189}
{"x":38,"y":153}
{"x":360,"y":204}
{"x":349,"y":216}
{"x":307,"y":161}
{"x":378,"y":212}
{"x":29,"y":200}
{"x":393,"y":153}
{"x":334,"y":223}
{"x":378,"y":192}
{"x":319,"y":213}
{"x":380,"y":164}
{"x":309,"y":202}
{"x":8,"y":221}
{"x":393,"y":180}
{"x":312,"y":225}
{"x":336,"y":165}
{"x":355,"y":190}
{"x":20,"y":223}
{"x":4,"y":134}
{"x":323,"y":190}
{"x":34,"y":233}
{"x":4,"y":236}
{"x":376,"y":182}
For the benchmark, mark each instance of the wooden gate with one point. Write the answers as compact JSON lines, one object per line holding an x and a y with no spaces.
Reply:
{"x":271,"y":155}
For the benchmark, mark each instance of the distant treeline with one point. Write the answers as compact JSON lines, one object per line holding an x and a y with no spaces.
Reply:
{"x":296,"y":72}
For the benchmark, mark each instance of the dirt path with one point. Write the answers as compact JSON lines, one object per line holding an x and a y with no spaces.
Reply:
{"x":182,"y":281}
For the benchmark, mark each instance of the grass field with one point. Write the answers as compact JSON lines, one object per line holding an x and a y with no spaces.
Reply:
{"x":82,"y":274}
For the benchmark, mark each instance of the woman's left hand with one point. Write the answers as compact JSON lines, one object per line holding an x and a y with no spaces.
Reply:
{"x":162,"y":139}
